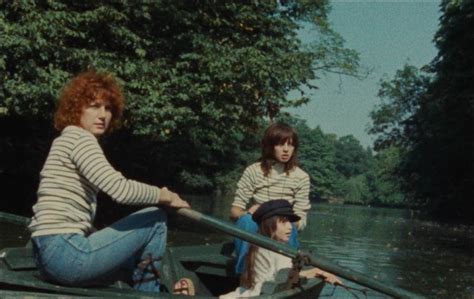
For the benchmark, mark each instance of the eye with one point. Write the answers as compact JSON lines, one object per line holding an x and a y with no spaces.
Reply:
{"x":94,"y":104}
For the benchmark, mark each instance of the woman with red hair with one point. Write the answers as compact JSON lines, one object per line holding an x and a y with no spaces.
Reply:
{"x":67,"y":249}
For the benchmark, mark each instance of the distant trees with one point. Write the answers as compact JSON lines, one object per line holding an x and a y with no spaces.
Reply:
{"x":342,"y":170}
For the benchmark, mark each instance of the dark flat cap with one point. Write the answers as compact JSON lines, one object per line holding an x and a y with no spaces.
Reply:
{"x":271,"y":208}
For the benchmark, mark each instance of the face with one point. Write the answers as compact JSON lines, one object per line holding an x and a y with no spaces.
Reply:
{"x":283,"y":152}
{"x":96,"y":117}
{"x":283,"y":230}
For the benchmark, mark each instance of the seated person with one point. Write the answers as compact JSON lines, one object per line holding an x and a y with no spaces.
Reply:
{"x":275,"y":176}
{"x":275,"y":220}
{"x":68,"y":251}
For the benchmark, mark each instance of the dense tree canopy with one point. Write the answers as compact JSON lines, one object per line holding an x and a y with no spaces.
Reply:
{"x":200,"y":78}
{"x":442,"y":159}
{"x":429,"y":116}
{"x":200,"y":73}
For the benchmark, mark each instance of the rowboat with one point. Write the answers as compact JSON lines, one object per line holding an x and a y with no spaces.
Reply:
{"x":210,"y":267}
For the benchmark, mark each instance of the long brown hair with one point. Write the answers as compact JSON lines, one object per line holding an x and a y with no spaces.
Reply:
{"x":84,"y":89}
{"x":267,"y":228}
{"x":278,"y":134}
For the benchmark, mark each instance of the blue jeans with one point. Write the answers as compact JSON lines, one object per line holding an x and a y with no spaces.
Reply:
{"x":242,"y":247}
{"x":113,"y":253}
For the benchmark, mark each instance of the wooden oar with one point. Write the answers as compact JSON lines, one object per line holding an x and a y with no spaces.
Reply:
{"x":314,"y":260}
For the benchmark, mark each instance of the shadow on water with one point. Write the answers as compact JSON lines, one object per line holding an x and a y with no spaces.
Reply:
{"x":390,"y":245}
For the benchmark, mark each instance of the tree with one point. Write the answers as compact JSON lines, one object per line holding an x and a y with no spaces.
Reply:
{"x":441,"y":162}
{"x":430,"y":118}
{"x":351,"y":159}
{"x":317,"y":158}
{"x":198,"y":75}
{"x":384,"y":180}
{"x":392,"y":120}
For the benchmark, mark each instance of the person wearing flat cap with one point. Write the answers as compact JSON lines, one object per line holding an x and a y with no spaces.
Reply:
{"x":279,"y":207}
{"x":274,"y":219}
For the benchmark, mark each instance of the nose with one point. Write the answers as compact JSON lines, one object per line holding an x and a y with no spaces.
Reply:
{"x":286,"y":147}
{"x":102,"y":112}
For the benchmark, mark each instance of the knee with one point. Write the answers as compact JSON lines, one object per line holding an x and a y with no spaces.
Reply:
{"x":155,"y":213}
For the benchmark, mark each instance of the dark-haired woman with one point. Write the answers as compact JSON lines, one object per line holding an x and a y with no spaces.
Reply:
{"x":275,"y":176}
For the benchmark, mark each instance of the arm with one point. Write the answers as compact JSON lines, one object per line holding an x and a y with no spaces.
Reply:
{"x":94,"y":167}
{"x":316,"y":272}
{"x":237,"y":212}
{"x":302,"y":204}
{"x":243,"y":194}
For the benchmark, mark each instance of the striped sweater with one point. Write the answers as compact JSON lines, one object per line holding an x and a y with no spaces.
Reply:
{"x":255,"y":188}
{"x":74,"y":172}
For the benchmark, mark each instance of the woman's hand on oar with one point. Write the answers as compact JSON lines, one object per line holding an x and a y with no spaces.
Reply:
{"x":316,"y":272}
{"x":171,"y":199}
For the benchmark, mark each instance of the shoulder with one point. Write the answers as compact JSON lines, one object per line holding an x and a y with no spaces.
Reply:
{"x":255,"y":166}
{"x":78,"y":138}
{"x":69,"y":137}
{"x":253,"y":169}
{"x":299,"y":173}
{"x":75,"y":132}
{"x":273,"y":258}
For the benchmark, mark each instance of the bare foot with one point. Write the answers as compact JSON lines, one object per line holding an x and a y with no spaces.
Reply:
{"x":184,"y":286}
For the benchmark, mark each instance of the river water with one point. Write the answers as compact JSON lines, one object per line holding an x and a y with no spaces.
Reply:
{"x":390,"y":245}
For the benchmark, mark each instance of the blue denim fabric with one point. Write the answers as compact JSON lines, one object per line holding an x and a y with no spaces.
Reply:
{"x":242,"y":247}
{"x":106,"y":255}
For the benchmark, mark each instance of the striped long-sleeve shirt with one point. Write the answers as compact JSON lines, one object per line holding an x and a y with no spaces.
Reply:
{"x":74,"y":172}
{"x":255,"y":188}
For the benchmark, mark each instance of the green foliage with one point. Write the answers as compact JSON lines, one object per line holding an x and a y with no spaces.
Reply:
{"x":384,"y":179}
{"x":199,"y":76}
{"x":393,"y":119}
{"x":355,"y":190}
{"x":441,"y":163}
{"x":431,"y":120}
{"x":350,"y":157}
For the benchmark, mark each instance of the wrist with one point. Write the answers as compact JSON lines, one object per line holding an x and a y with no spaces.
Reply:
{"x":165,"y":195}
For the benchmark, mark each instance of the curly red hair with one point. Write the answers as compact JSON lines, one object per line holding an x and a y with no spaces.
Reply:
{"x":83,"y":89}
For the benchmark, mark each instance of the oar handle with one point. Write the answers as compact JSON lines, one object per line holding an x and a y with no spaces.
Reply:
{"x":314,"y":260}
